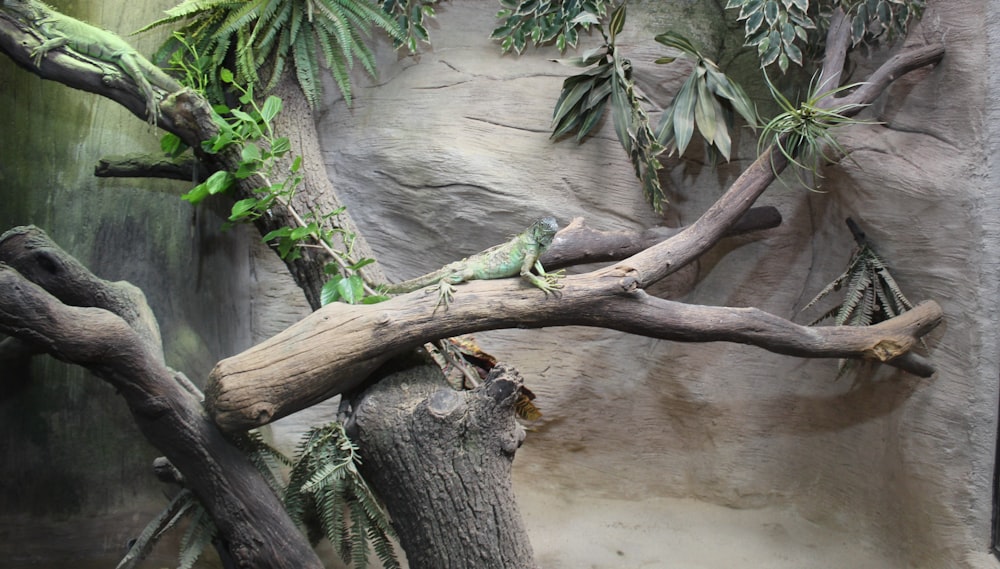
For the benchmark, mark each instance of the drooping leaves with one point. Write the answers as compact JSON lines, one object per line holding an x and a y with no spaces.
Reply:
{"x":586,"y":96}
{"x":784,"y":31}
{"x":543,"y":22}
{"x":267,"y":34}
{"x":708,"y":99}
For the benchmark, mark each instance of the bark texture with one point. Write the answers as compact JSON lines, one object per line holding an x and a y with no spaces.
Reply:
{"x":52,"y":303}
{"x":441,"y":461}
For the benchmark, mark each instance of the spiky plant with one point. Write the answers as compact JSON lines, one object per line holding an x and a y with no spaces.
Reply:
{"x":260,"y":38}
{"x":708,"y":99}
{"x":325,"y":485}
{"x":803,"y":132}
{"x":871,"y":294}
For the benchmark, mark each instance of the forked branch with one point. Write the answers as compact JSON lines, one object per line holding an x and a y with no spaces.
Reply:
{"x":52,"y":304}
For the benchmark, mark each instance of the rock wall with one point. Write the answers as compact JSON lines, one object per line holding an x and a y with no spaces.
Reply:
{"x":448,"y":153}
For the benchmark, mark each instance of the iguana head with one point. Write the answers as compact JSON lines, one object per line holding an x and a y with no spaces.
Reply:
{"x":544,"y":230}
{"x":19,"y":7}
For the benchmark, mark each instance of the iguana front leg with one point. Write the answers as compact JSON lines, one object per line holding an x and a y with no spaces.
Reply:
{"x":548,"y":282}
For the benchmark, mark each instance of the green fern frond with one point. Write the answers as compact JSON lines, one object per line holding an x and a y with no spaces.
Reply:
{"x":241,"y":17}
{"x":325,"y":485}
{"x":198,"y":535}
{"x":269,"y":33}
{"x":871,"y":294}
{"x":307,"y":69}
{"x":166,"y":519}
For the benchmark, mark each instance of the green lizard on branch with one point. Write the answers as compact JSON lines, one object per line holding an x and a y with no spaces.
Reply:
{"x":61,"y":31}
{"x":515,"y":257}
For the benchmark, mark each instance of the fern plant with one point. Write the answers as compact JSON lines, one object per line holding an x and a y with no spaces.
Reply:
{"x":871,"y":294}
{"x":201,"y":529}
{"x":262,"y":37}
{"x":325,"y":484}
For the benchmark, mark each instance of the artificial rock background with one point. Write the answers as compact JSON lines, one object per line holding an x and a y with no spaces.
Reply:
{"x":650,"y":454}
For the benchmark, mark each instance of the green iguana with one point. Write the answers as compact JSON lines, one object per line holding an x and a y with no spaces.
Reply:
{"x":515,"y":257}
{"x":59,"y":30}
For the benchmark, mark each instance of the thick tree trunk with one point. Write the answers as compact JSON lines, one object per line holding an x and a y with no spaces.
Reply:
{"x":441,"y":459}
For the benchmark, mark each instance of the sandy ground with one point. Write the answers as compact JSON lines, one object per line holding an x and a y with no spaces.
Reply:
{"x":663,"y":533}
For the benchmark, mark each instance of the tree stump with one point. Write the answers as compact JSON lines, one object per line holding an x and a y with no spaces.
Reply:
{"x":441,"y":461}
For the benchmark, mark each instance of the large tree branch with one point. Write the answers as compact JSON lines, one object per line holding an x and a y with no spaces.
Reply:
{"x":332,"y":350}
{"x":53,"y":304}
{"x":661,"y":260}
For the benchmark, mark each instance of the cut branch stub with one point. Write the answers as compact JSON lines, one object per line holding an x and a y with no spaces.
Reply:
{"x":411,"y":424}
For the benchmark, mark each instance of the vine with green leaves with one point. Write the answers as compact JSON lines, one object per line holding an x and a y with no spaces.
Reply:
{"x":250,"y":128}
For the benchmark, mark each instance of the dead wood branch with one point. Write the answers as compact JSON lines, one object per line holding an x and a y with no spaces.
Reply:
{"x":332,"y":350}
{"x":184,"y":168}
{"x":577,"y":244}
{"x":52,"y":303}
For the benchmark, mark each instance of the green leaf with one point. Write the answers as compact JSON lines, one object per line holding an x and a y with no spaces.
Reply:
{"x":772,"y":51}
{"x":196,"y":194}
{"x":271,"y":108}
{"x":704,"y":113}
{"x":375,"y":299}
{"x":621,"y":111}
{"x":226,"y":75}
{"x":362,"y":263}
{"x":617,"y":21}
{"x":683,"y":115}
{"x":280,"y":146}
{"x":281,"y":232}
{"x":170,"y":143}
{"x":303,"y":232}
{"x":250,"y":152}
{"x":351,"y":289}
{"x":771,"y":11}
{"x":754,"y":22}
{"x":330,"y":291}
{"x":243,"y":209}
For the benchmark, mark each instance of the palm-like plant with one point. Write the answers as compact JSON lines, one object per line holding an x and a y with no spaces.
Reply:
{"x":261,"y":37}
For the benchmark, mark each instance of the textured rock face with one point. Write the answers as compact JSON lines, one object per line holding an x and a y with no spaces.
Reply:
{"x":447,"y":155}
